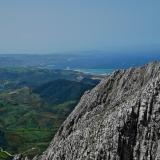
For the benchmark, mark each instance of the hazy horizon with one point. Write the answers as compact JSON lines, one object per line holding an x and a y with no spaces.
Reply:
{"x":51,"y":26}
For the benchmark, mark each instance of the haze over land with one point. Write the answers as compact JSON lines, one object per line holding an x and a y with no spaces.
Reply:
{"x":86,"y":61}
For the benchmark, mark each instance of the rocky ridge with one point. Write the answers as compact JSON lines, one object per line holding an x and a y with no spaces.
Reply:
{"x":117,"y":120}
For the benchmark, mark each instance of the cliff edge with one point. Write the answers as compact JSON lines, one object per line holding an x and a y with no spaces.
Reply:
{"x":117,"y":120}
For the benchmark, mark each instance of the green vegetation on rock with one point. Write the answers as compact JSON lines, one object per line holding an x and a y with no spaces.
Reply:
{"x":5,"y":155}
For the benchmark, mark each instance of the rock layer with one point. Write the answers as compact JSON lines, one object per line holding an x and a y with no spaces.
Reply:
{"x":117,"y":120}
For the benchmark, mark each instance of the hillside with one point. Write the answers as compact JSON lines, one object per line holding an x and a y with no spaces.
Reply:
{"x":13,"y":78}
{"x":59,"y":91}
{"x":118,"y":119}
{"x":20,"y":111}
{"x":30,"y":120}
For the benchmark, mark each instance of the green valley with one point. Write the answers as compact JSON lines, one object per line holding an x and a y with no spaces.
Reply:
{"x":33,"y":105}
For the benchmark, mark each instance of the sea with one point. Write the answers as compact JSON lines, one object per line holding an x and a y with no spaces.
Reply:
{"x":94,"y":71}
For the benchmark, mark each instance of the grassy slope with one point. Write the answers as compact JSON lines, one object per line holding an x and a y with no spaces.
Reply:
{"x":29,"y":122}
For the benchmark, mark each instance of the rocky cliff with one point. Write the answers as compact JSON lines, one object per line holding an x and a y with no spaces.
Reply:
{"x":117,"y":120}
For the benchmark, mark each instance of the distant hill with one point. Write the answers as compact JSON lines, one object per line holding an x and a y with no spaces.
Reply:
{"x":30,"y":117}
{"x":59,"y":91}
{"x":13,"y":78}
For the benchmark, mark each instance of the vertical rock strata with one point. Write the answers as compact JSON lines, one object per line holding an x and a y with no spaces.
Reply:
{"x":117,"y":120}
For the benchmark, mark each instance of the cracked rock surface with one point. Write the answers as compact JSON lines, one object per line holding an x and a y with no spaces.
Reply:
{"x":117,"y":120}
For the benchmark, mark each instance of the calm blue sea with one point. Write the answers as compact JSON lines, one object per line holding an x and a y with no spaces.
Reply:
{"x":98,"y":71}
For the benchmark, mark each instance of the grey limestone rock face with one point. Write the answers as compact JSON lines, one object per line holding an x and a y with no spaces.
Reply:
{"x":117,"y":120}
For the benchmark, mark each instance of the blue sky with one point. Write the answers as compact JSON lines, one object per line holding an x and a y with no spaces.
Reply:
{"x":51,"y":26}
